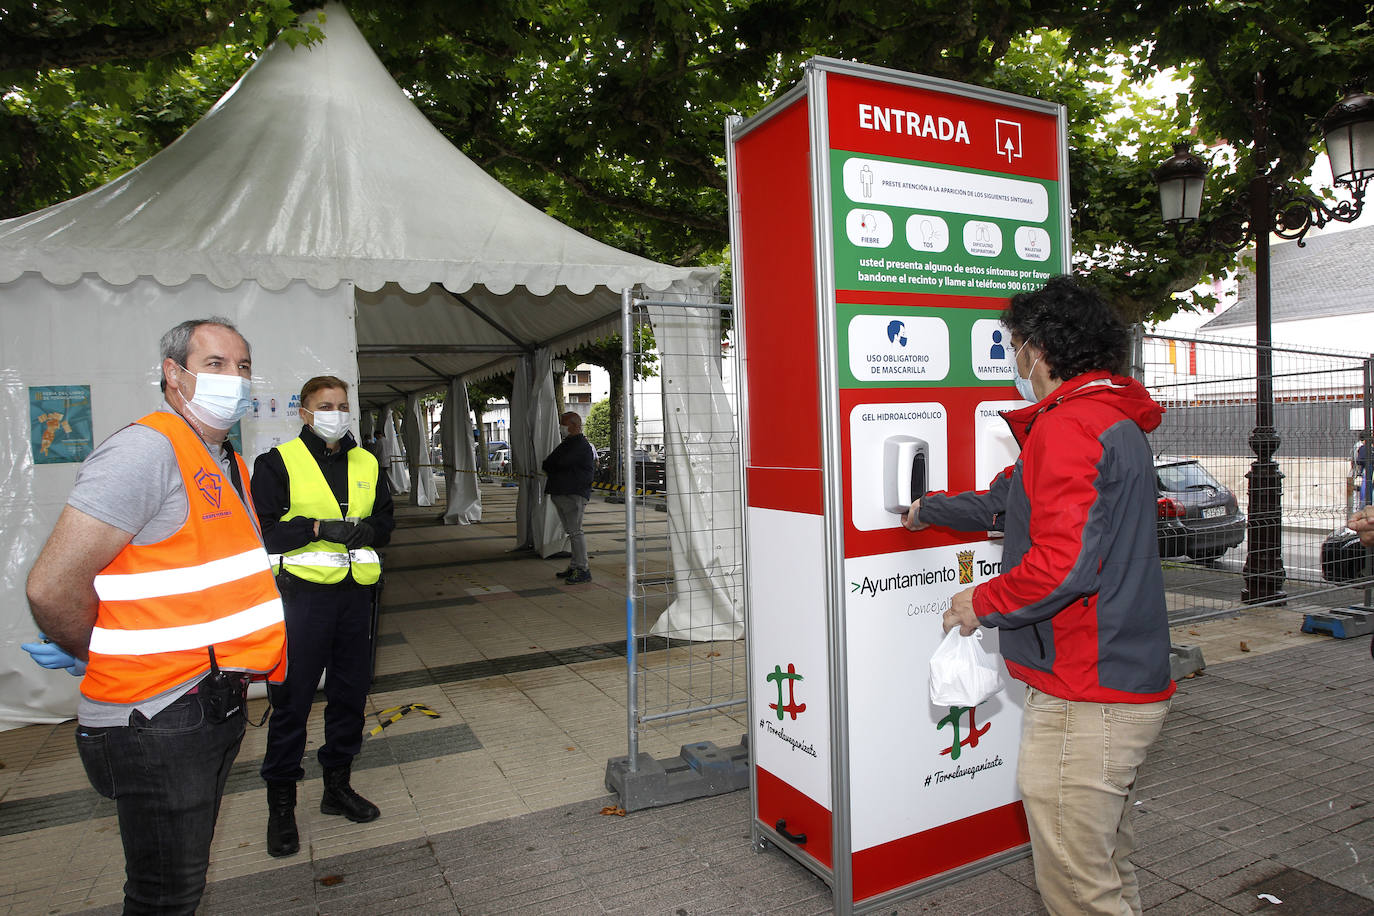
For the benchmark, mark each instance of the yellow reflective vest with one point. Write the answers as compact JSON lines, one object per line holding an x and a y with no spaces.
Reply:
{"x":327,"y":562}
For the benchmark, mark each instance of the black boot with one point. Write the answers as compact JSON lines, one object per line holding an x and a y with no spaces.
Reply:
{"x":282,"y":838}
{"x":339,"y":797}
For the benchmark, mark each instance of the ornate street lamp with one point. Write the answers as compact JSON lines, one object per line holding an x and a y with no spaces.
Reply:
{"x":1268,"y":207}
{"x":1349,"y":131}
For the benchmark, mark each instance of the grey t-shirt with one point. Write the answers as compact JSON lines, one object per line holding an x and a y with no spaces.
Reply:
{"x":132,"y":481}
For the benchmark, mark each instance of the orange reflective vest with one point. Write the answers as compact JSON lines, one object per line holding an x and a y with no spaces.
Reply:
{"x":163,"y":604}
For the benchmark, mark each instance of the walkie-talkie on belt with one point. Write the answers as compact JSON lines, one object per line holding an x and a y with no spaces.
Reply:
{"x":222,"y":695}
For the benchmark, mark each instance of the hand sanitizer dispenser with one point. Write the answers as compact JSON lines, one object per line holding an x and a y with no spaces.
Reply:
{"x":905,"y":460}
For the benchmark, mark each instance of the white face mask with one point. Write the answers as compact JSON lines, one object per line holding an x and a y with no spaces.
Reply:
{"x":329,"y":425}
{"x":220,"y":401}
{"x":1023,"y":382}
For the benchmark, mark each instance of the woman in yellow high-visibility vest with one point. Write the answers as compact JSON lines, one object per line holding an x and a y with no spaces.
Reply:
{"x":325,"y":510}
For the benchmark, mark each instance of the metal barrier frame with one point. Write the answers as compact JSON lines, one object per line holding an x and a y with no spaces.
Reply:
{"x":636,"y":716}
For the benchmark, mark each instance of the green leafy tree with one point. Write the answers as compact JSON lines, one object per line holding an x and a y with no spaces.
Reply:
{"x":597,"y":427}
{"x":611,"y":116}
{"x":90,"y":89}
{"x":1306,"y":52}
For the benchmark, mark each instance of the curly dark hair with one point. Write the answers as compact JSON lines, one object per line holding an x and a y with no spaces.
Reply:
{"x":1073,"y":324}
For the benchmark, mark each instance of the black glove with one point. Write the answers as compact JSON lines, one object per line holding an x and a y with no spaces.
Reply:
{"x":337,"y":531}
{"x":361,"y":536}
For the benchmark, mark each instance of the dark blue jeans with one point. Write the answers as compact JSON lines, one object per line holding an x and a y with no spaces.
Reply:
{"x":166,"y":775}
{"x":326,"y":628}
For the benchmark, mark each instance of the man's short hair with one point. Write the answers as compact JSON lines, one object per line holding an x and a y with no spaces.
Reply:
{"x":572,"y":418}
{"x":319,"y":383}
{"x":1073,"y":324}
{"x":176,"y":343}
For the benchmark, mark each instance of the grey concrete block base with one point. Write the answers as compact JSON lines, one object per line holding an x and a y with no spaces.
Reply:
{"x":1185,"y":660}
{"x":699,"y":770}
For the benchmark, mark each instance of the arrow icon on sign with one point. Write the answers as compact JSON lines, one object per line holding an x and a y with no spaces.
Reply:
{"x":1009,"y":139}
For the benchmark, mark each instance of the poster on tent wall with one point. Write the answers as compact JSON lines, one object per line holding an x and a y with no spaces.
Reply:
{"x":922,"y":205}
{"x":60,"y":423}
{"x":944,"y":200}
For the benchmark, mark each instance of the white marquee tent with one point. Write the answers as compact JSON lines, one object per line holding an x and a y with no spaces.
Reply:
{"x":316,"y":208}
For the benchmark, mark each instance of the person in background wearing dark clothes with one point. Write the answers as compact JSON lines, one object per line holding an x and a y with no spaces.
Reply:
{"x":324,"y":509}
{"x":373,"y":444}
{"x":569,"y":485}
{"x":1364,"y":471}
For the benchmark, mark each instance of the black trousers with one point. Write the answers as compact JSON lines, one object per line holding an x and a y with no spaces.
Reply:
{"x":327,"y":629}
{"x":166,"y":775}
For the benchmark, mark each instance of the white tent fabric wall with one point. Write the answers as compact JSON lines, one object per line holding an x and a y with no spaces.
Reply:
{"x":533,"y":434}
{"x":93,"y":333}
{"x":461,"y":492}
{"x":702,"y":479}
{"x":522,"y":459}
{"x":30,"y":504}
{"x":315,"y":180}
{"x":415,"y":433}
{"x":543,"y":422}
{"x":393,"y":457}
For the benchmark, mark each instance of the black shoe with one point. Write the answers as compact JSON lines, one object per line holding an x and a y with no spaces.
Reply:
{"x":579,"y":576}
{"x":282,"y":837}
{"x":565,"y":573}
{"x":339,"y":797}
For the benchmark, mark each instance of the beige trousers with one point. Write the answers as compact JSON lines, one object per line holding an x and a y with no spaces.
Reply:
{"x":1077,"y":774}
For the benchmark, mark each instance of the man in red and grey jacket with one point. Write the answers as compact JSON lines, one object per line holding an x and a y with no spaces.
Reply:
{"x":1080,"y":602}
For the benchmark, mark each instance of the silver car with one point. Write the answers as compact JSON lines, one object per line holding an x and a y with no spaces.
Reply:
{"x":1198,"y":516}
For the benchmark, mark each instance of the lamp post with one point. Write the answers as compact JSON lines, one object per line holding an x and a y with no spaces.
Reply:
{"x":1269,"y":207}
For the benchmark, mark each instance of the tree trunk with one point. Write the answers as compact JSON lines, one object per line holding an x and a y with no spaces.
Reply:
{"x":617,"y":397}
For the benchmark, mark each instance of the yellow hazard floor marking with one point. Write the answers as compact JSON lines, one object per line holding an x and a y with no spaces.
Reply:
{"x":396,"y":713}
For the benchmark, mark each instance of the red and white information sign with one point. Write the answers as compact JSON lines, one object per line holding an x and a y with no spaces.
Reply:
{"x":881,"y":221}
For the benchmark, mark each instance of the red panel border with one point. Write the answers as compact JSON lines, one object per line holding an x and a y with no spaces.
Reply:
{"x":778,"y":800}
{"x":932,"y":852}
{"x":787,"y":489}
{"x":775,"y":267}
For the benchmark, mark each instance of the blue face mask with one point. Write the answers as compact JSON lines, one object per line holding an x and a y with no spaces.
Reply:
{"x":1023,"y":383}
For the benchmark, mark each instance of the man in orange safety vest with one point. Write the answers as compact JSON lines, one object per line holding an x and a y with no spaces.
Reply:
{"x":155,"y":584}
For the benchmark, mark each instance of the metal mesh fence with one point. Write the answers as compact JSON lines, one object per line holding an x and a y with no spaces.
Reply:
{"x":1205,"y":457}
{"x":683,"y":573}
{"x":1266,"y":544}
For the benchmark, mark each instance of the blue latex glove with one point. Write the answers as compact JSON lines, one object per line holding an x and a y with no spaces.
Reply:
{"x":50,"y":655}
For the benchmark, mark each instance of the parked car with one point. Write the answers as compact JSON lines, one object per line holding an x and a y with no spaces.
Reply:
{"x":1172,"y":535}
{"x":1198,"y":516}
{"x":498,"y":457}
{"x":650,"y":470}
{"x":499,"y":461}
{"x":1343,"y":557}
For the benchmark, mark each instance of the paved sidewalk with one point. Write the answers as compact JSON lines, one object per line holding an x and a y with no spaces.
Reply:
{"x":1258,"y":786}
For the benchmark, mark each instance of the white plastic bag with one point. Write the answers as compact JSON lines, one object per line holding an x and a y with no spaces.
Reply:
{"x":962,"y":673}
